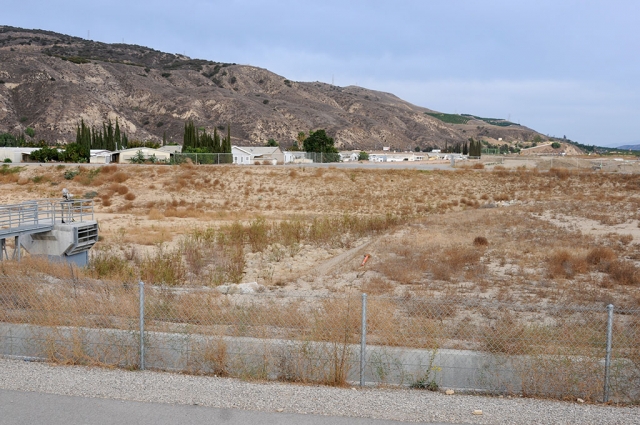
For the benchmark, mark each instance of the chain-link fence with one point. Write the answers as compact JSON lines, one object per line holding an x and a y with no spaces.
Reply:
{"x":203,"y":158}
{"x":461,"y":343}
{"x":546,"y":163}
{"x":227,"y":158}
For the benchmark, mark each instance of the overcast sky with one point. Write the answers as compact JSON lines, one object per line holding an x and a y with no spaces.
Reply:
{"x":563,"y":68}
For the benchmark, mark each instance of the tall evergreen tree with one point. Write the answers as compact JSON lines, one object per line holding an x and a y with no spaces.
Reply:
{"x":227,"y":141}
{"x":117,"y":137}
{"x":217,"y":148}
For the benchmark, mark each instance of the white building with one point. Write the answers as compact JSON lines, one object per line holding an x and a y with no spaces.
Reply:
{"x":16,"y":154}
{"x":241,"y":156}
{"x":349,"y":156}
{"x":259,"y":154}
{"x":98,"y":156}
{"x":296,"y":157}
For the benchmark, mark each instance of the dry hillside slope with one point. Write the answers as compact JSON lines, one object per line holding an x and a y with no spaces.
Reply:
{"x":49,"y":81}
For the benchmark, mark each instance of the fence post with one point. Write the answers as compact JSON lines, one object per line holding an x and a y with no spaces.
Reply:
{"x":607,"y":360}
{"x":141,"y":286}
{"x":363,"y":340}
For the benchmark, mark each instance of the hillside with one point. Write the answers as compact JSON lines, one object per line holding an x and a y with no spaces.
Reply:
{"x":49,"y":81}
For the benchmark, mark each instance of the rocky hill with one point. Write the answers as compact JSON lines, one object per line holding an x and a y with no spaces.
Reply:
{"x":49,"y":81}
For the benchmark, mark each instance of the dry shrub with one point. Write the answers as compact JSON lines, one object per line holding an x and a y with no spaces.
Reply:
{"x":290,"y":232}
{"x":377,"y":286}
{"x":119,"y":177}
{"x":22,"y":180}
{"x":478,"y":166}
{"x":108,"y":169}
{"x":624,"y":272}
{"x":453,"y":260}
{"x":626,"y":239}
{"x":506,"y":336}
{"x":480,"y":241}
{"x":119,"y":188}
{"x":37,"y":265}
{"x":106,"y":200}
{"x":163,"y":267}
{"x":601,"y":257}
{"x":406,"y":264}
{"x":129,"y":196}
{"x":106,"y":263}
{"x":431,"y":308}
{"x":560,"y":173}
{"x":209,"y":357}
{"x":383,"y":322}
{"x":563,"y":263}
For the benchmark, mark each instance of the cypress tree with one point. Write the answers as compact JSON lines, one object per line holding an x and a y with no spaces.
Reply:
{"x":78,"y":137}
{"x":217,"y":148}
{"x":227,"y":142}
{"x":185,"y":143}
{"x":117,"y":137}
{"x":111,"y":143}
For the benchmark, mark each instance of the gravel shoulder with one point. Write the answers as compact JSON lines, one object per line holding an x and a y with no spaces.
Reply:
{"x":376,"y":403}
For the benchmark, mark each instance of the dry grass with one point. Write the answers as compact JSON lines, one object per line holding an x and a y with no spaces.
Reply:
{"x":517,"y":236}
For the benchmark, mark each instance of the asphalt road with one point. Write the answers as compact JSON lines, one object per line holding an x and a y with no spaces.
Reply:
{"x":27,"y":408}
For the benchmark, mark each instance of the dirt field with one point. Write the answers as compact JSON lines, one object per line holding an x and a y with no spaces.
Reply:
{"x":514,"y":235}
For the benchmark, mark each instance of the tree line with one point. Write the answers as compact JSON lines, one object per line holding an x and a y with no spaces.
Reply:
{"x":197,"y":140}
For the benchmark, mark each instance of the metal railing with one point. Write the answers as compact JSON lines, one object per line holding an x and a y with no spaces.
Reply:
{"x":591,"y":352}
{"x":43,"y":213}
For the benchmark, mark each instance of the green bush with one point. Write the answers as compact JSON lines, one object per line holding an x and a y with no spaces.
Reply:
{"x":45,"y":154}
{"x":7,"y":160}
{"x":138,"y":158}
{"x":70,"y":174}
{"x":6,"y":169}
{"x":30,"y":132}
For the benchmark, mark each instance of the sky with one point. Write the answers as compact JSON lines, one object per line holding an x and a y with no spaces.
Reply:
{"x":561,"y":67}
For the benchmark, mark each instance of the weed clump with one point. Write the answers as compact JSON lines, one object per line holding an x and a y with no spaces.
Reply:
{"x":480,"y":241}
{"x":563,"y":263}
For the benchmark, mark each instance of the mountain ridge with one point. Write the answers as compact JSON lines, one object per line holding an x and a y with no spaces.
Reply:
{"x":50,"y":81}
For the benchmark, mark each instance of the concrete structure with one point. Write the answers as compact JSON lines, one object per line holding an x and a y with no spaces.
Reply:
{"x":62,"y":230}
